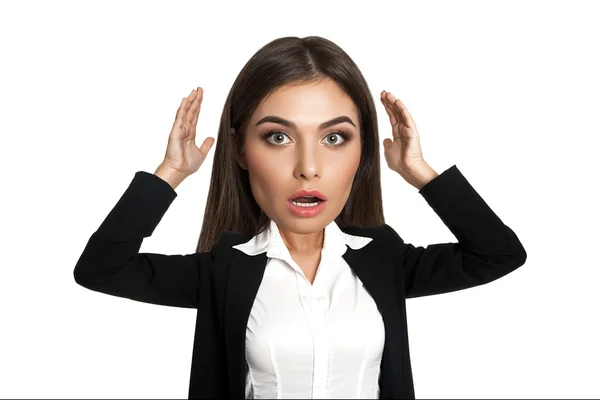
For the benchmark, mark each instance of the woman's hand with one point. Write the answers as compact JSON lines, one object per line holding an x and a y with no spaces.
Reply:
{"x":182,"y":155}
{"x":403,"y":154}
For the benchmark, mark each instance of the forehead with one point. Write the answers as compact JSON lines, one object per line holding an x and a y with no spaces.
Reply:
{"x":308,"y":102}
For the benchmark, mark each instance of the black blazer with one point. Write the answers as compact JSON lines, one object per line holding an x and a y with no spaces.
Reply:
{"x":222,"y":283}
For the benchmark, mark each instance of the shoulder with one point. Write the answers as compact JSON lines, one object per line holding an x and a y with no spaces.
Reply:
{"x":227,"y":239}
{"x":382,"y":232}
{"x":385,"y":239}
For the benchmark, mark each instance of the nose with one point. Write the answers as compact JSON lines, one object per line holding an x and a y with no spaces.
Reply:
{"x":308,"y":161}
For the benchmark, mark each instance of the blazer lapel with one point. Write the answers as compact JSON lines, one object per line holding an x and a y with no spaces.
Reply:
{"x":378,"y":280}
{"x":369,"y":270}
{"x":245,"y":275}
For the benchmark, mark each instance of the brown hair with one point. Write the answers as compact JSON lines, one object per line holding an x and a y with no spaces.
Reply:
{"x":287,"y":61}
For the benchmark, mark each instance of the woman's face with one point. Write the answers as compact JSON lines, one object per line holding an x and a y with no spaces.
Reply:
{"x":284,"y":157}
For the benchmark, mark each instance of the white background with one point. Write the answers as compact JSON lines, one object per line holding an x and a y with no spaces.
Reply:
{"x":507,"y":91}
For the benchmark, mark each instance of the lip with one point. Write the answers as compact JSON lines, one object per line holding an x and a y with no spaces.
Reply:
{"x":307,"y":192}
{"x":306,"y":212}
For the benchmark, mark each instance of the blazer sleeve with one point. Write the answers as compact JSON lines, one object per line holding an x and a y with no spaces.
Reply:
{"x":111,"y":262}
{"x":487,"y":249}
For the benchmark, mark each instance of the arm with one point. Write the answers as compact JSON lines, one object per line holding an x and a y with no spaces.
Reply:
{"x":111,"y":262}
{"x":487,"y":249}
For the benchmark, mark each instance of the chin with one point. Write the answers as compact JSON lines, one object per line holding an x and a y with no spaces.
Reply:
{"x":304,"y":225}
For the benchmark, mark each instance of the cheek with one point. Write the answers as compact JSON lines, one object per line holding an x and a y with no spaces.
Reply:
{"x":265,"y":177}
{"x":346,"y":173}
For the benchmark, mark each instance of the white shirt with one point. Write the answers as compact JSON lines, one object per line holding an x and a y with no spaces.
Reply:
{"x":323,"y":340}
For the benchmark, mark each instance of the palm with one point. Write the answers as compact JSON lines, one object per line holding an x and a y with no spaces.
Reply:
{"x":404,"y":152}
{"x":182,"y":153}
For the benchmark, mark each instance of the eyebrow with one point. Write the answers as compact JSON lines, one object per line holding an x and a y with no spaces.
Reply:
{"x":290,"y":124}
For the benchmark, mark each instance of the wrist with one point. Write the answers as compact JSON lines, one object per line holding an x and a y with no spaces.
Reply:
{"x":421,"y":175}
{"x":426,"y":177}
{"x":170,"y":175}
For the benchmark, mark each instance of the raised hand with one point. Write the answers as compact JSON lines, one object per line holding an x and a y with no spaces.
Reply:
{"x":403,"y":154}
{"x":182,"y":155}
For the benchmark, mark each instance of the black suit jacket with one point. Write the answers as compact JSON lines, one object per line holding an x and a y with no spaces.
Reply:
{"x":222,"y":283}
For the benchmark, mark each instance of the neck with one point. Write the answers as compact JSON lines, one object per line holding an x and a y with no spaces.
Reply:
{"x":303,"y":242}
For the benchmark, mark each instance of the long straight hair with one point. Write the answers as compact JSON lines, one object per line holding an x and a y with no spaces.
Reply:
{"x":288,"y":61}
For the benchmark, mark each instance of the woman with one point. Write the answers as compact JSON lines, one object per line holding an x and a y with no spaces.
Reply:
{"x":299,"y":283}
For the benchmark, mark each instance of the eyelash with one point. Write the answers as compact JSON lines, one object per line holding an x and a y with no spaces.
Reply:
{"x":343,"y":134}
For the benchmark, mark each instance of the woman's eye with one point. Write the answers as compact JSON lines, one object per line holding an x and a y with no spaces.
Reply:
{"x":277,"y":135}
{"x":330,"y":138}
{"x":336,"y":141}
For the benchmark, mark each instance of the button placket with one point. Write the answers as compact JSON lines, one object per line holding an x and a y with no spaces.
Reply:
{"x":321,"y":348}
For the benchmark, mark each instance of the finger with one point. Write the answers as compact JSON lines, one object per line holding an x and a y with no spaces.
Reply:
{"x":386,"y":102}
{"x":189,"y":115}
{"x":198,"y":103}
{"x":385,"y":98}
{"x":399,"y":117}
{"x":402,"y":111}
{"x":405,"y":114}
{"x":180,"y":114}
{"x":182,"y":110}
{"x":397,"y":125}
{"x":206,"y":145}
{"x":387,"y":143}
{"x":388,"y":111}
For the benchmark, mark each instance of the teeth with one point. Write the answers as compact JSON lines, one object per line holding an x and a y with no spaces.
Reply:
{"x":305,"y":204}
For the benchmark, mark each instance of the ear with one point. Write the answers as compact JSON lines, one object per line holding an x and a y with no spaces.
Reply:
{"x":240,"y":156}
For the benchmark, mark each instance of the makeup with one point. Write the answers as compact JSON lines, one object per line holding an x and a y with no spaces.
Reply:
{"x":306,"y":210}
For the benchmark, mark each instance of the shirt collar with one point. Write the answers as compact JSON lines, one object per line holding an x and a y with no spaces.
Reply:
{"x":271,"y":242}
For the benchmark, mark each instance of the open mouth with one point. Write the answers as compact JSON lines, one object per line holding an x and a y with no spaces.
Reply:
{"x":306,"y":201}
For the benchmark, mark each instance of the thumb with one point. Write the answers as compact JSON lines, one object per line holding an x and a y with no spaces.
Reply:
{"x":387,"y":143}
